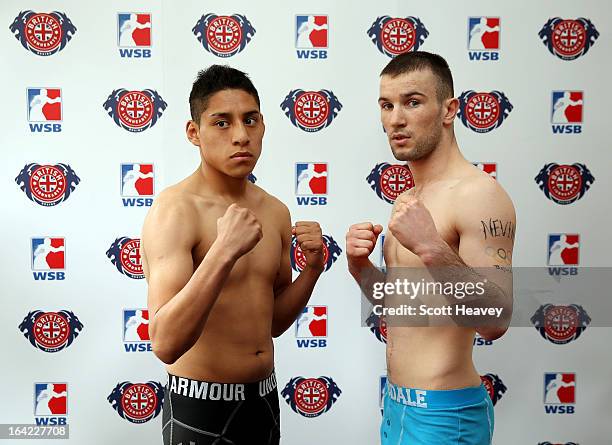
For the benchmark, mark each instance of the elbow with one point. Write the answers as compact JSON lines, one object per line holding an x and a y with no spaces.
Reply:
{"x":165,"y":353}
{"x":492,"y":334}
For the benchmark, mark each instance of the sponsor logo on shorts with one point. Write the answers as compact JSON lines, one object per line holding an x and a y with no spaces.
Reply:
{"x":47,"y":185}
{"x":137,"y":185}
{"x":311,"y":36}
{"x":331,"y":252}
{"x":311,"y":397}
{"x":125,"y":255}
{"x":494,"y":386}
{"x":137,"y":402}
{"x":390,"y":180}
{"x":134,"y":34}
{"x":564,"y":184}
{"x":51,"y":331}
{"x":483,"y":38}
{"x":568,"y":39}
{"x":41,"y":33}
{"x":559,"y":392}
{"x":311,"y":111}
{"x":482,"y":112}
{"x":560,"y":324}
{"x":135,"y":110}
{"x":223,"y":35}
{"x":394,"y":35}
{"x":50,"y":403}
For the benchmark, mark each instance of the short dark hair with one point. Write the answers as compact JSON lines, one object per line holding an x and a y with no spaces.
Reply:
{"x":217,"y":78}
{"x":422,"y":60}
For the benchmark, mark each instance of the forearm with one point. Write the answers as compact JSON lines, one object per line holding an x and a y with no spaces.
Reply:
{"x":366,"y":274}
{"x":178,"y":324}
{"x":292,"y":300}
{"x":487,"y":290}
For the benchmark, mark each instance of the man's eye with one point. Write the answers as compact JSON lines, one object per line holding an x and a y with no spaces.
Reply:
{"x":387,"y":106}
{"x":250,"y":121}
{"x":413,"y":103}
{"x":222,"y":124}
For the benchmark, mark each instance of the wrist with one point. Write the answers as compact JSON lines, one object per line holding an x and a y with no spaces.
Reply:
{"x":314,"y":270}
{"x":222,"y":253}
{"x":429,"y":252}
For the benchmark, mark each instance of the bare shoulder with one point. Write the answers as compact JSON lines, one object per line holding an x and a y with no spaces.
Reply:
{"x":479,"y":191}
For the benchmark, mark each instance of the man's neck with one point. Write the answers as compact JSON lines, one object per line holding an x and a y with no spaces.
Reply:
{"x":221,"y":184}
{"x":442,"y":160}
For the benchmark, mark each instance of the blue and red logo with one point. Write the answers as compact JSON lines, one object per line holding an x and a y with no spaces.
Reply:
{"x":568,"y":39}
{"x":44,"y":110}
{"x":311,"y":397}
{"x":490,"y":168}
{"x":559,"y":392}
{"x":50,"y":331}
{"x":222,"y":35}
{"x":134,"y":34}
{"x":560,"y":324}
{"x":135,"y":110}
{"x":125,"y":255}
{"x":137,"y":402}
{"x":47,"y":185}
{"x":311,"y":183}
{"x":311,"y":327}
{"x":48,"y":258}
{"x":494,"y":386}
{"x":566,"y":112}
{"x":564,"y":184}
{"x":137,"y":185}
{"x":393,"y":35}
{"x":136,"y":330}
{"x":50,"y":403}
{"x":43,"y":34}
{"x":563,"y":249}
{"x":378,"y":326}
{"x":331,"y":251}
{"x":483,"y":112}
{"x":483,"y":38}
{"x":390,"y":180}
{"x":311,"y":110}
{"x":311,"y":36}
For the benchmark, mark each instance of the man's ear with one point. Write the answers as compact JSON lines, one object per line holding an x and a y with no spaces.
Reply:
{"x":193,"y":132}
{"x":450,"y":109}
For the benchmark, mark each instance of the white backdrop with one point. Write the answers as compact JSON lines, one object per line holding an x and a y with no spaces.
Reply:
{"x":90,"y":67}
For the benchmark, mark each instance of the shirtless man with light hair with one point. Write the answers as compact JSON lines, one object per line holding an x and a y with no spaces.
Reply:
{"x":445,"y":226}
{"x":217,"y":262}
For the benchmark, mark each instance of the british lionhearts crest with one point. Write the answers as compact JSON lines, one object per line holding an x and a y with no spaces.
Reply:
{"x":135,"y":110}
{"x":390,"y":180}
{"x":393,"y":36}
{"x":50,"y":331}
{"x":223,"y":35}
{"x":564,"y":184}
{"x":124,"y":253}
{"x":311,"y":110}
{"x":47,"y":185}
{"x":137,"y":402}
{"x":43,"y":34}
{"x":568,"y":39}
{"x":494,"y":385}
{"x":331,"y":251}
{"x":560,"y":324}
{"x":378,"y":326}
{"x":483,"y":112}
{"x":311,"y":397}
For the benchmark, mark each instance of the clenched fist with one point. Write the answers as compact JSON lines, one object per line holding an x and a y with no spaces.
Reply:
{"x":412,"y":225}
{"x":309,"y":238}
{"x":238,"y":230}
{"x":360,"y":241}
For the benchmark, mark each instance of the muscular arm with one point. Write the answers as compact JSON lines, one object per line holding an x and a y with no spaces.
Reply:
{"x":485,"y":222}
{"x":290,"y":297}
{"x":179,"y":298}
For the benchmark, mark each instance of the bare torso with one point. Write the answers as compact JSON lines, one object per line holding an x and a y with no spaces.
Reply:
{"x":236,"y":343}
{"x":430,"y":357}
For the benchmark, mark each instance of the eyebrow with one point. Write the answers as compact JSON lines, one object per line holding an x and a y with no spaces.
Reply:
{"x":227,"y":114}
{"x":405,"y":95}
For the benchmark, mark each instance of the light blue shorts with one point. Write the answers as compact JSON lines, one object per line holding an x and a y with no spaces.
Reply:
{"x":424,"y":417}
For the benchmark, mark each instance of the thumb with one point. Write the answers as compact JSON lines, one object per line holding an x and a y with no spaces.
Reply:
{"x":378,"y":230}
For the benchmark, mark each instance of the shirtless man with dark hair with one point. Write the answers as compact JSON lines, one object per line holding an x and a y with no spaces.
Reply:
{"x":216,"y":258}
